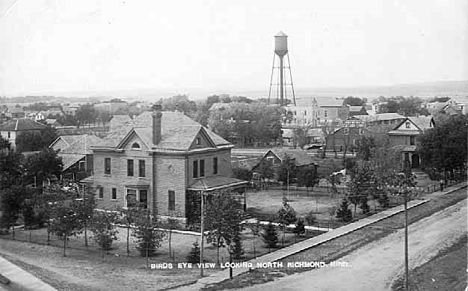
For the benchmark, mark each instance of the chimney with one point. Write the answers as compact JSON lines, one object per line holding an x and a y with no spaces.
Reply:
{"x":157,"y":114}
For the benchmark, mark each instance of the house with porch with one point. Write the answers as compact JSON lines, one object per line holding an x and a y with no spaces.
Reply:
{"x":404,"y":138}
{"x":163,"y":163}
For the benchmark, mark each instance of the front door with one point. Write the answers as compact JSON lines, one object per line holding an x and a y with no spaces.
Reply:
{"x":415,"y":161}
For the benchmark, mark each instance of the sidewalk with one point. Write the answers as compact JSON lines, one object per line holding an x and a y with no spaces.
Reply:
{"x":20,"y":279}
{"x":317,"y":240}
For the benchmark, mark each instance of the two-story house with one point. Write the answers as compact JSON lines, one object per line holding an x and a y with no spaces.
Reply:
{"x":404,"y":137}
{"x":11,"y":129}
{"x":164,"y":162}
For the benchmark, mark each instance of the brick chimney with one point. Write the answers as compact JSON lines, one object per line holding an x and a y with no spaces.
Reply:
{"x":157,"y":114}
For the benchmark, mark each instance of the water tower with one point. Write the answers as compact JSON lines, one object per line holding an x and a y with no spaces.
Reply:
{"x":281,"y":50}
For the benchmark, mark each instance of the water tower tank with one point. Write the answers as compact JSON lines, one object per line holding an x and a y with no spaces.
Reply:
{"x":281,"y":44}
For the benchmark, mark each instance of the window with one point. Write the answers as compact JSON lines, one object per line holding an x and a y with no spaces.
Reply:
{"x":412,"y":140}
{"x":130,"y":168}
{"x":202,"y":168}
{"x":81,"y":166}
{"x":195,"y":169}
{"x":346,"y":131}
{"x":144,"y":198}
{"x":141,"y":168}
{"x":135,"y":145}
{"x":131,"y":198}
{"x":107,"y":166}
{"x":101,"y":192}
{"x":114,"y":193}
{"x":198,"y":141}
{"x":171,"y":205}
{"x":325,"y":113}
{"x":408,"y":125}
{"x":215,"y":165}
{"x":9,"y":134}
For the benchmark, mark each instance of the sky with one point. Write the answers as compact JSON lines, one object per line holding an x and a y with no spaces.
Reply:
{"x":81,"y":45}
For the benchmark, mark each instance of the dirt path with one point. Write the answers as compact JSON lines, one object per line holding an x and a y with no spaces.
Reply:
{"x":376,"y":265}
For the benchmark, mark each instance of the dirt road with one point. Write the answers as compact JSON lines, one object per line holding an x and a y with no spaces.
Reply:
{"x":376,"y":265}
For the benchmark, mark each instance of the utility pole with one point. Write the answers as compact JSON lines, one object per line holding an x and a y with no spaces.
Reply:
{"x":202,"y":214}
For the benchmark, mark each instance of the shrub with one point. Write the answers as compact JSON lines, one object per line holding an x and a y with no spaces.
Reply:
{"x":194,"y":255}
{"x":270,"y":235}
{"x":344,"y":213}
{"x":300,"y":228}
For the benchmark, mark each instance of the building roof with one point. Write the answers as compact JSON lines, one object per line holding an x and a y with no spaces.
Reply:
{"x":220,"y":105}
{"x":422,"y":122}
{"x":21,"y":124}
{"x":178,"y":132}
{"x":120,"y":120}
{"x":300,"y":157}
{"x":69,"y":160}
{"x":355,"y":108}
{"x":215,"y":183}
{"x":328,"y":102}
{"x":380,"y":116}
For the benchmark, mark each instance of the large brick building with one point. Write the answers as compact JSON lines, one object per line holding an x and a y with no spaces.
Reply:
{"x":162,"y":161}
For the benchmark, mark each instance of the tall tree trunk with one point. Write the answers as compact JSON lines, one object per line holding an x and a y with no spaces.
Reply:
{"x":128,"y":240}
{"x":64,"y":245}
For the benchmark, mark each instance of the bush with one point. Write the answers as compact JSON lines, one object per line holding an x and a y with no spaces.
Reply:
{"x":344,"y":213}
{"x":383,"y":200}
{"x":237,"y":250}
{"x":194,"y":255}
{"x":148,"y":238}
{"x":102,"y":226}
{"x":270,"y":235}
{"x":310,"y":218}
{"x":300,"y":228}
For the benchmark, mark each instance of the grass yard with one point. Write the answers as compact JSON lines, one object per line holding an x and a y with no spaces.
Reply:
{"x":266,"y":203}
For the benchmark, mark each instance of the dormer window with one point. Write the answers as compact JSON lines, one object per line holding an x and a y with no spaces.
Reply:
{"x":198,"y":141}
{"x":136,"y":146}
{"x":408,"y":125}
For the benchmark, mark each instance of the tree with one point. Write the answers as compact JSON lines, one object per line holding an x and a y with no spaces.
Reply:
{"x":104,"y":231}
{"x":444,"y":148}
{"x":180,"y":103}
{"x":237,"y":250}
{"x":361,"y":185}
{"x":171,"y":224}
{"x":86,"y":114}
{"x":28,"y":141}
{"x":148,"y":237}
{"x":287,"y":170}
{"x":194,"y":254}
{"x":365,"y":146}
{"x":4,"y":143}
{"x":86,"y":210}
{"x":286,"y":216}
{"x":270,"y":236}
{"x":43,"y":165}
{"x":48,"y":135}
{"x":242,"y":174}
{"x":265,"y":170}
{"x":307,"y":176}
{"x":354,"y":101}
{"x":343,"y":213}
{"x":223,"y":218}
{"x":66,"y":221}
{"x":255,"y":229}
{"x":129,"y":216}
{"x":11,"y":202}
{"x":11,"y":169}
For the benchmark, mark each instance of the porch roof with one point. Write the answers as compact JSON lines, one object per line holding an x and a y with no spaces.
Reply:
{"x":215,"y":183}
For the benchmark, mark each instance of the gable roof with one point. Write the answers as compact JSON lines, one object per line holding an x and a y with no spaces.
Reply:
{"x":21,"y":124}
{"x":178,"y":132}
{"x":380,"y":116}
{"x":422,"y":122}
{"x":301,"y":158}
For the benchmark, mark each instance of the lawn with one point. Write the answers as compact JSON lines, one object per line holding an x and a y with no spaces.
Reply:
{"x":264,"y":204}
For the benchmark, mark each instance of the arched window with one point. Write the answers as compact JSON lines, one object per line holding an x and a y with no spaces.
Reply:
{"x":135,"y":145}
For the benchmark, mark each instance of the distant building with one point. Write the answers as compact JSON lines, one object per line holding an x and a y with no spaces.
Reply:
{"x":11,"y":129}
{"x":16,"y":112}
{"x":344,"y":138}
{"x":357,"y":110}
{"x":70,"y":109}
{"x":52,"y":122}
